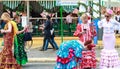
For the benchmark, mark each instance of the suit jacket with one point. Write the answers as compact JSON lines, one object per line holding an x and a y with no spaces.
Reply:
{"x":47,"y":28}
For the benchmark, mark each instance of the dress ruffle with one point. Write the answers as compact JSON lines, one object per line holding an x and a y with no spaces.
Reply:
{"x":70,"y":65}
{"x":7,"y":61}
{"x":109,"y":58}
{"x":88,"y":59}
{"x":68,"y":54}
{"x":10,"y":66}
{"x":65,"y":46}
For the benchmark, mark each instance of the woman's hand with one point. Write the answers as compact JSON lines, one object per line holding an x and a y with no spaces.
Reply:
{"x":83,"y":32}
{"x":2,"y":31}
{"x":25,"y":28}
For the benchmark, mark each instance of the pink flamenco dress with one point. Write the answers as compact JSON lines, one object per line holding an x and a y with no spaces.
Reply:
{"x":109,"y":55}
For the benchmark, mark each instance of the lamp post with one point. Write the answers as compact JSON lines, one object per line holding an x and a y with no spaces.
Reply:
{"x":61,"y":21}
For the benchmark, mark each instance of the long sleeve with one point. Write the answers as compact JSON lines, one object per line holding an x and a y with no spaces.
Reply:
{"x":46,"y":25}
{"x":100,"y":24}
{"x":78,"y":30}
{"x":93,"y":31}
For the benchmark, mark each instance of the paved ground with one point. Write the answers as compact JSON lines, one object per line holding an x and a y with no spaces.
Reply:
{"x":39,"y":66}
{"x":46,"y":59}
{"x":46,"y":65}
{"x":50,"y":53}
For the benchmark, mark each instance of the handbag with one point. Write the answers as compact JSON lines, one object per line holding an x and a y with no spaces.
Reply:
{"x":27,"y":36}
{"x":51,"y":31}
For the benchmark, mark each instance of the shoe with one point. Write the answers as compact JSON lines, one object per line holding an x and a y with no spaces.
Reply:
{"x":42,"y":50}
{"x":55,"y":49}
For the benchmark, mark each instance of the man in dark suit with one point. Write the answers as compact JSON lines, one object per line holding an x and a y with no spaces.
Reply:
{"x":48,"y":36}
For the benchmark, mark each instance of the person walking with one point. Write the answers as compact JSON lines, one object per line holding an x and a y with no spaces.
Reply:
{"x":55,"y":47}
{"x":19,"y":44}
{"x":47,"y":35}
{"x":7,"y":60}
{"x":109,"y":56}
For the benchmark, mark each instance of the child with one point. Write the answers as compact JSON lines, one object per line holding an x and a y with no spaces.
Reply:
{"x":68,"y":54}
{"x":88,"y":56}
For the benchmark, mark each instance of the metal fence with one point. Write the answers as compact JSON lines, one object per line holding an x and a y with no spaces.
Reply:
{"x":68,"y":29}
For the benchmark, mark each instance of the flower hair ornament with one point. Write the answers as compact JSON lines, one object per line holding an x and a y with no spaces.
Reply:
{"x":89,"y":44}
{"x":109,"y":11}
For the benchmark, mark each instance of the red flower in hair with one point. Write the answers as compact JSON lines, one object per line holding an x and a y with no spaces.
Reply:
{"x":89,"y":17}
{"x":89,"y":44}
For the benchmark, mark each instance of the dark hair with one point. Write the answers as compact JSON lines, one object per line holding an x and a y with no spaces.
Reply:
{"x":48,"y":17}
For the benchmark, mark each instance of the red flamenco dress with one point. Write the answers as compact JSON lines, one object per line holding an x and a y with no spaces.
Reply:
{"x":88,"y":57}
{"x":7,"y":61}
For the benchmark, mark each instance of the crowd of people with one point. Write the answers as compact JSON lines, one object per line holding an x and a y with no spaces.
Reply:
{"x":68,"y":56}
{"x":73,"y":54}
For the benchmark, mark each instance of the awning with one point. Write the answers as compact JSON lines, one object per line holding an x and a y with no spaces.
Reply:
{"x":11,"y":4}
{"x":69,"y":8}
{"x":48,"y":4}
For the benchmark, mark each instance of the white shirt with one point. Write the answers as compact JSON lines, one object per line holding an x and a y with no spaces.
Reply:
{"x":24,"y":21}
{"x":108,"y":27}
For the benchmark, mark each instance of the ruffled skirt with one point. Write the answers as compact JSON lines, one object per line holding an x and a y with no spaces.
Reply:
{"x":69,"y":55}
{"x":7,"y":61}
{"x":109,"y":59}
{"x":88,"y":59}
